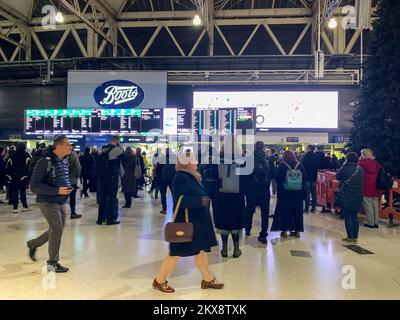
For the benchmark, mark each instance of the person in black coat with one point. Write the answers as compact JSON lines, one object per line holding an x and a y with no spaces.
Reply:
{"x":289,"y":206}
{"x":165,"y":172}
{"x":128,"y":180}
{"x":87,"y":170}
{"x":187,"y":184}
{"x":17,"y":169}
{"x":2,"y":170}
{"x":351,"y":178}
{"x":257,"y":191}
{"x":311,"y":163}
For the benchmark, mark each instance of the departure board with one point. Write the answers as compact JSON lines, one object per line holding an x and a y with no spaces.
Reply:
{"x":223,"y":121}
{"x":104,"y":121}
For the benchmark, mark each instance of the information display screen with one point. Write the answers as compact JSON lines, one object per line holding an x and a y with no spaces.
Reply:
{"x":291,"y":110}
{"x":222,"y":121}
{"x":107,"y":121}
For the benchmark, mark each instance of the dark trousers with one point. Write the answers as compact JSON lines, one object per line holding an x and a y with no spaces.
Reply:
{"x":72,"y":199}
{"x":108,"y":208}
{"x":55,"y":215}
{"x":262,"y":197}
{"x":351,"y":223}
{"x":128,"y":198}
{"x":212,"y":191}
{"x":86,"y":184}
{"x":311,"y":187}
{"x":163,"y":190}
{"x":18,"y":187}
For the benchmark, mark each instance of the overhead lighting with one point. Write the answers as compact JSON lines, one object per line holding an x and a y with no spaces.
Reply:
{"x":332,"y":24}
{"x":196,"y":20}
{"x":59,"y":17}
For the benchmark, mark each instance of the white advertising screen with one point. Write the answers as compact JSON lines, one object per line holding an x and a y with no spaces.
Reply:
{"x":279,"y":109}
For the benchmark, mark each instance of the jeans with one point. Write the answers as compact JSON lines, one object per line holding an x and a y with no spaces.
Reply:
{"x":55,"y":215}
{"x":262,"y":197}
{"x":163,"y":190}
{"x":311,"y":187}
{"x":351,"y":223}
{"x":18,"y":187}
{"x":72,"y":199}
{"x":128,"y":199}
{"x":108,"y":207}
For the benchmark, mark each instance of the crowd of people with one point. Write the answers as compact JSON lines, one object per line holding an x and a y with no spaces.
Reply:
{"x":53,"y":173}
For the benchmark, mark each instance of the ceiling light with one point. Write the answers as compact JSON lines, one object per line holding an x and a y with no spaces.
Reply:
{"x":196,"y":20}
{"x":332,"y":23}
{"x":59,"y":17}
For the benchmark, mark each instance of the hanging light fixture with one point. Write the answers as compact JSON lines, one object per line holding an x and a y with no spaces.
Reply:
{"x":196,"y":20}
{"x":59,"y":17}
{"x":332,"y":24}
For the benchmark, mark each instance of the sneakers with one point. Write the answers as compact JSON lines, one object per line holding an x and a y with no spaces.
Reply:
{"x":213,"y":284}
{"x":347,"y":240}
{"x":263,"y":240}
{"x":26,"y":210}
{"x":109,"y":223}
{"x":163,"y":212}
{"x":163,"y":287}
{"x":32,"y":252}
{"x":15,"y":211}
{"x":76,"y":216}
{"x":295,"y":234}
{"x":57,"y":268}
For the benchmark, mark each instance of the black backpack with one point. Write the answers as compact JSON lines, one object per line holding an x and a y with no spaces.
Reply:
{"x":103,"y":165}
{"x":384,"y":181}
{"x":260,"y":175}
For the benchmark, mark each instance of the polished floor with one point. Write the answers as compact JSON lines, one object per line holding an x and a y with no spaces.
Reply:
{"x":120,"y":262}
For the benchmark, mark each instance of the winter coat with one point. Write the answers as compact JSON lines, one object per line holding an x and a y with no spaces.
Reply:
{"x":74,"y":168}
{"x":87,"y":165}
{"x":186,"y":185}
{"x":351,"y":196}
{"x":311,"y":164}
{"x":288,"y":214}
{"x":371,"y":169}
{"x":128,"y":180}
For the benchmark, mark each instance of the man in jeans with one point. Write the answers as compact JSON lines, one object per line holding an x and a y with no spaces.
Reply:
{"x":311,"y":165}
{"x":50,"y":181}
{"x":257,"y":192}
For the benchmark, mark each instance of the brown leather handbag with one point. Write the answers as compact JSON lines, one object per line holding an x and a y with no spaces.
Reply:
{"x":179,"y":232}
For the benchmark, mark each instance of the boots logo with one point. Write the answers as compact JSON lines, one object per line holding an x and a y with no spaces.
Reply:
{"x":119,"y":94}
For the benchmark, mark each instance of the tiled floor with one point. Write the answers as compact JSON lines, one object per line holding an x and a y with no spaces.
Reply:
{"x":120,"y":262}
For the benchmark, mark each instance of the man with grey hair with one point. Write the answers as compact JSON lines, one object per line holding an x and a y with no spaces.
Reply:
{"x":50,"y":181}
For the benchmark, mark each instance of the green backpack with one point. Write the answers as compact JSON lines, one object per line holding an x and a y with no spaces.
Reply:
{"x":293,"y":179}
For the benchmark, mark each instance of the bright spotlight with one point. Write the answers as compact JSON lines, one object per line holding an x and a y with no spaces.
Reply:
{"x":332,"y":23}
{"x":196,"y":20}
{"x":59,"y":17}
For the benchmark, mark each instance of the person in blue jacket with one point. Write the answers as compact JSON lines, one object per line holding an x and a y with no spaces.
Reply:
{"x":187,"y":184}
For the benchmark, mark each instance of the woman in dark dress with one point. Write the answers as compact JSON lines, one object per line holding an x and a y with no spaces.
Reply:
{"x":289,"y":206}
{"x":128,"y":180}
{"x":187,"y":184}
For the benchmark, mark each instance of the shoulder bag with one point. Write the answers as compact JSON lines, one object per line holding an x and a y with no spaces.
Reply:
{"x":179,"y":232}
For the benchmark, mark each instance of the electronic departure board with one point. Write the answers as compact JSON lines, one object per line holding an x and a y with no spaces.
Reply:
{"x":222,"y":121}
{"x":105,"y":121}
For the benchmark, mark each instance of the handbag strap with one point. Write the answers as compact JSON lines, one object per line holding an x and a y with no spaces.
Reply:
{"x":351,"y":177}
{"x":178,"y":205}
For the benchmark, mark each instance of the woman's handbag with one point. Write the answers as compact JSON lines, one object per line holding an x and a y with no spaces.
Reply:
{"x":337,"y":203}
{"x":138,"y":170}
{"x":179,"y":232}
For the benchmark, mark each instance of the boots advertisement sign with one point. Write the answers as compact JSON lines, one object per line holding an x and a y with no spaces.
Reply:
{"x":117,"y":90}
{"x":119,"y":94}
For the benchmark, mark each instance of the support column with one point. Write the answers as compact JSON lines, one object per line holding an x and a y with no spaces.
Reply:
{"x":339,"y":37}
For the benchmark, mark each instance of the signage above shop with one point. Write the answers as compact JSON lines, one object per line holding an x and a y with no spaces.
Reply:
{"x":119,"y":94}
